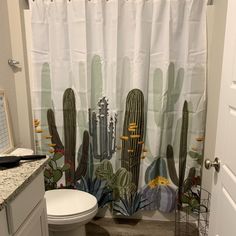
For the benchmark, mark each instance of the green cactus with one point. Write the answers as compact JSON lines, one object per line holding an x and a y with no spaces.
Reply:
{"x":158,"y":97}
{"x":107,"y":131}
{"x":179,"y":181}
{"x":105,"y":171}
{"x":163,"y":114}
{"x":53,"y":172}
{"x":123,"y":183}
{"x":69,"y":120}
{"x":133,"y":130}
{"x":96,"y":81}
{"x":55,"y":138}
{"x":82,"y":115}
{"x":46,"y":103}
{"x":120,"y":182}
{"x":157,"y":168}
{"x":83,"y":155}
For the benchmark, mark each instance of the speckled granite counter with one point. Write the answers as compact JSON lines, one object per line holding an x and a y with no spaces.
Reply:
{"x":14,"y":180}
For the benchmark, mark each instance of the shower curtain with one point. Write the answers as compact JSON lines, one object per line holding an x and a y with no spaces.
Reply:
{"x":119,"y":98}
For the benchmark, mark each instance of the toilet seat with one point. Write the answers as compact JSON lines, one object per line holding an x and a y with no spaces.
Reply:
{"x":68,"y":206}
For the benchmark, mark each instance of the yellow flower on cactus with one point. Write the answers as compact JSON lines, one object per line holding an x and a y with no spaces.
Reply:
{"x":51,"y":151}
{"x":159,"y":180}
{"x":51,"y":144}
{"x":39,"y":130}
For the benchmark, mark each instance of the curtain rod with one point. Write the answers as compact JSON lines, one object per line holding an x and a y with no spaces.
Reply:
{"x":210,"y":2}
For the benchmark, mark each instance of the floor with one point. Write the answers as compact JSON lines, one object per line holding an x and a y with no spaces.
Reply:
{"x":127,"y":227}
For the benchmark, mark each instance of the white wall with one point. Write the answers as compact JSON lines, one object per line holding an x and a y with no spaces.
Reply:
{"x":7,"y":81}
{"x":15,"y":82}
{"x":216,"y":19}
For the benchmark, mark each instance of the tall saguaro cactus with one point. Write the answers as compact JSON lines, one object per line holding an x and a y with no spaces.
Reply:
{"x":85,"y":165}
{"x":96,"y":81}
{"x":83,"y":156}
{"x":55,"y":138}
{"x":46,"y":102}
{"x":179,"y":181}
{"x":163,"y":115}
{"x":107,"y":131}
{"x":69,"y":120}
{"x":133,"y":129}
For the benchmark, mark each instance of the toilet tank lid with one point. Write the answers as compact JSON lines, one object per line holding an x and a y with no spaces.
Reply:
{"x":63,"y":202}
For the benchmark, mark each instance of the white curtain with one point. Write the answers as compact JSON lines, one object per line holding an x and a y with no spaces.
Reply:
{"x":109,"y":47}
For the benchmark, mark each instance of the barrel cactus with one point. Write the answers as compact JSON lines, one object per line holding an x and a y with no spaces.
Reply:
{"x":157,"y":168}
{"x":161,"y":195}
{"x":133,"y":129}
{"x":120,"y":181}
{"x":123,"y":183}
{"x":158,"y":190}
{"x":105,"y":171}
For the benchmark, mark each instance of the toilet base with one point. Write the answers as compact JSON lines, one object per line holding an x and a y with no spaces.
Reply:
{"x":78,"y":231}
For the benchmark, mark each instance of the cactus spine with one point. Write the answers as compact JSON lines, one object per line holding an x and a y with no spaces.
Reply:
{"x":182,"y":154}
{"x":133,"y":129}
{"x":107,"y":131}
{"x":69,"y":120}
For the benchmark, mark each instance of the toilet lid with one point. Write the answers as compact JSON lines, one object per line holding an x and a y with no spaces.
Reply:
{"x":65,"y":202}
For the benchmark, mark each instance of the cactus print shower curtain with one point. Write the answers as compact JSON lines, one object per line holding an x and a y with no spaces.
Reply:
{"x":119,"y":98}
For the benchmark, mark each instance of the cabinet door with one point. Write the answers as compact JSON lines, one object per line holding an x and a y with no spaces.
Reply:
{"x":3,"y":223}
{"x":36,"y":224}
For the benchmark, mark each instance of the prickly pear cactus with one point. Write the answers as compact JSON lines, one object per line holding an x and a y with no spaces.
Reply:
{"x":133,"y":129}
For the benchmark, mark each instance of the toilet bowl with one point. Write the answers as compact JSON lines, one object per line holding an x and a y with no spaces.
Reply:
{"x":68,"y":211}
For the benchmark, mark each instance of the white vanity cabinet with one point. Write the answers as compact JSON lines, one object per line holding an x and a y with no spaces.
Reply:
{"x":25,"y":215}
{"x":3,"y":223}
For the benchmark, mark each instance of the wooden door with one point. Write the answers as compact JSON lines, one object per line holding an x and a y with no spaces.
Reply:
{"x":223,"y":204}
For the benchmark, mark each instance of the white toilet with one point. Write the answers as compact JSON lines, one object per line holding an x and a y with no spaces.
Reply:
{"x":68,"y":211}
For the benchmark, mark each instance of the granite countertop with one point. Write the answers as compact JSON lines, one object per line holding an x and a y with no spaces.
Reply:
{"x":14,"y":180}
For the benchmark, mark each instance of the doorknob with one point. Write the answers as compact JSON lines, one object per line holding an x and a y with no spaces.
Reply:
{"x":13,"y":63}
{"x":215,"y":164}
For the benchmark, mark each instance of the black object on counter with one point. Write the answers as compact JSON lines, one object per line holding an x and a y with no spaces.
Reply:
{"x":12,"y":161}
